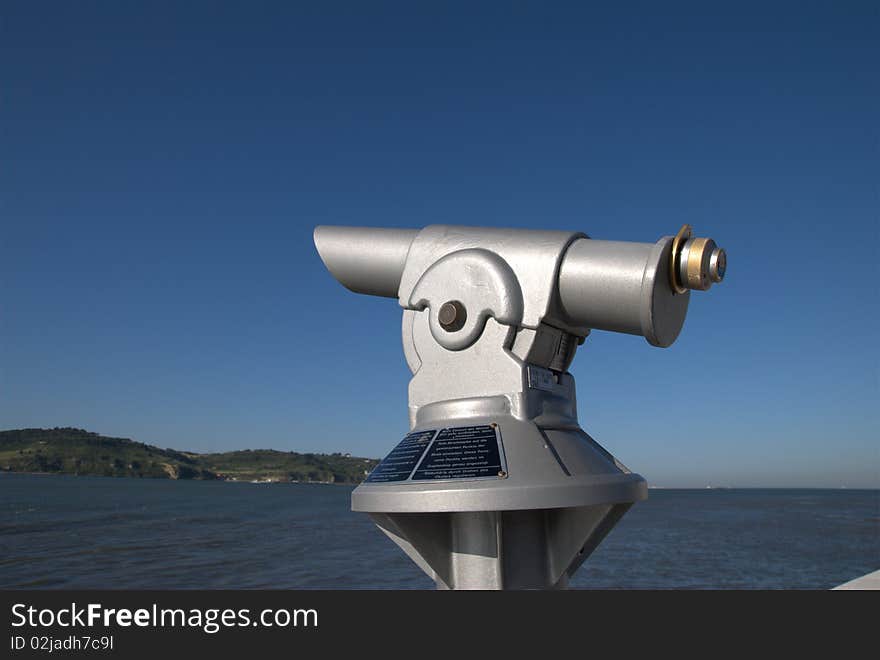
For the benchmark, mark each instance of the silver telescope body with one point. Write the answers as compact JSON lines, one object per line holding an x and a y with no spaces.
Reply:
{"x":603,"y":285}
{"x":496,"y":486}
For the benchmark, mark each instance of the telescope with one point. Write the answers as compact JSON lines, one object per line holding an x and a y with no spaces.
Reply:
{"x":496,"y":486}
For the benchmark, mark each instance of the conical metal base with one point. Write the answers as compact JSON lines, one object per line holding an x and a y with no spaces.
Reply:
{"x":530,"y":526}
{"x":537,"y":549}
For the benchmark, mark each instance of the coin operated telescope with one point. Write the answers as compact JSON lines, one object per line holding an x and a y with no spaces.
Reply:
{"x":496,"y":486}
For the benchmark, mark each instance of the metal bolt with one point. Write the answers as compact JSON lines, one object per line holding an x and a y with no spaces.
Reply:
{"x":502,"y":474}
{"x":452,"y":316}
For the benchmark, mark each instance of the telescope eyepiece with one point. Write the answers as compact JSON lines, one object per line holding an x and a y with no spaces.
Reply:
{"x":717,"y":265}
{"x":697,"y":263}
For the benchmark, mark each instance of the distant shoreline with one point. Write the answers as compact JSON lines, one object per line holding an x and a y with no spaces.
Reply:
{"x":865,"y":489}
{"x":164,"y":479}
{"x":78,"y":452}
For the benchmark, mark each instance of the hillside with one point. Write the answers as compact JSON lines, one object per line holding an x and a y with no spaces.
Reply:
{"x":75,"y":451}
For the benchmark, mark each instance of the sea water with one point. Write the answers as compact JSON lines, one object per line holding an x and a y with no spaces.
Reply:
{"x":66,"y":532}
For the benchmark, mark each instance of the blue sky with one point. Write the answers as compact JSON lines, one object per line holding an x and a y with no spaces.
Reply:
{"x":162,"y":166}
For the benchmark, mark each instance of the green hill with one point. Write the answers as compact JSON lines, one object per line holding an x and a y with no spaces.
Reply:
{"x":75,"y":451}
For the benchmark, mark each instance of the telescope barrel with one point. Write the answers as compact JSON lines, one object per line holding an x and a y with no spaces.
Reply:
{"x":637,"y":288}
{"x":600,"y":284}
{"x":365,"y":259}
{"x":622,"y":287}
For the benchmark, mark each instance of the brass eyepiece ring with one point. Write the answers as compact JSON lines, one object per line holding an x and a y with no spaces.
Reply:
{"x":678,"y":242}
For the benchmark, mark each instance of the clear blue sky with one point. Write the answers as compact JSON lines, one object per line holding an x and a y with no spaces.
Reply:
{"x":162,"y":165}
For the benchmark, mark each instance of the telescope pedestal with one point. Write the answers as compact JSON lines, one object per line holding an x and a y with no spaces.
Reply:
{"x":502,"y":549}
